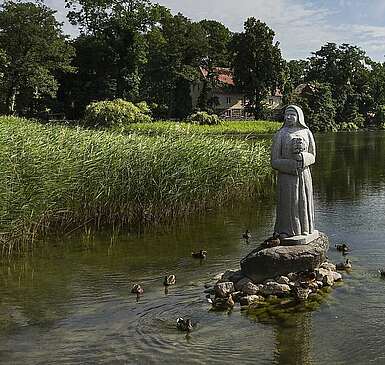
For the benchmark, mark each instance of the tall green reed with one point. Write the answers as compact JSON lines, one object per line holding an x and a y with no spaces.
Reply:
{"x":56,"y":179}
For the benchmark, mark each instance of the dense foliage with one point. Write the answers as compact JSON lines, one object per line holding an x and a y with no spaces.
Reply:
{"x":203,"y":118}
{"x":33,"y":50}
{"x":116,"y":113}
{"x":137,"y":50}
{"x":258,"y":65}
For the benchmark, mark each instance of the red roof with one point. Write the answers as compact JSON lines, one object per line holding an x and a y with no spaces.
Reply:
{"x":223,"y":74}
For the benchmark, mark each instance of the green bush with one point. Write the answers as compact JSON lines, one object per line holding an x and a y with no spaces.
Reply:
{"x":108,"y":113}
{"x":379,"y":117}
{"x":203,"y":118}
{"x":348,"y":126}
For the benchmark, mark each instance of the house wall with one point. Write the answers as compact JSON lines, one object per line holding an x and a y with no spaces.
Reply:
{"x":230,"y":104}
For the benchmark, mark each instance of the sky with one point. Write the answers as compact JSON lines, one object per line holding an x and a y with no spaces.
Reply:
{"x":301,"y":26}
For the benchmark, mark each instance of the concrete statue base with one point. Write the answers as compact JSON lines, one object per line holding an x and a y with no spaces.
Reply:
{"x":261,"y":264}
{"x":300,"y":240}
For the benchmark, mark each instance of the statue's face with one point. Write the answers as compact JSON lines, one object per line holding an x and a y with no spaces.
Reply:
{"x":291,"y":118}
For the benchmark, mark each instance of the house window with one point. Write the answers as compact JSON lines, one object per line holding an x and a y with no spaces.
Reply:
{"x":236,"y":113}
{"x":228,"y":113}
{"x":228,"y":100}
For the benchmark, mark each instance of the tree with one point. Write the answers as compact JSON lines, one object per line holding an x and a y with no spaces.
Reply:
{"x":118,"y":29}
{"x":317,"y":104}
{"x":345,"y":69}
{"x":218,"y":41}
{"x":34,"y":50}
{"x":177,"y":47}
{"x":295,"y":73}
{"x":257,"y":62}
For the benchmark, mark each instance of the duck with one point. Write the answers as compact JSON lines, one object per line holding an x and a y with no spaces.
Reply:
{"x":201,"y":254}
{"x":342,"y":247}
{"x":224,"y":303}
{"x":382,"y":272}
{"x":347,"y":265}
{"x":184,"y":324}
{"x":272,"y":241}
{"x":246,"y":235}
{"x":169,"y":280}
{"x":137,"y":289}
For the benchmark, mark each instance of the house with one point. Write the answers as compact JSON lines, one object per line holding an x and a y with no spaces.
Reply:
{"x":228,"y":102}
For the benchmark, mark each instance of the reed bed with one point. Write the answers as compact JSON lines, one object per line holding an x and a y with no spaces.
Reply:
{"x":55,"y":179}
{"x":254,"y":127}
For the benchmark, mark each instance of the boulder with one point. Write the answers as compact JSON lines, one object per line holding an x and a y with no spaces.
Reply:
{"x":251,"y":289}
{"x":283,"y":280}
{"x":249,"y":299}
{"x":301,"y":293}
{"x":328,"y":266}
{"x":222,"y":290}
{"x":261,"y":264}
{"x":325,"y":276}
{"x":337,"y":276}
{"x":274,"y":288}
{"x":239,"y":284}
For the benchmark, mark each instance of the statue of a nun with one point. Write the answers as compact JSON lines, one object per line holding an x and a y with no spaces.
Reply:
{"x":293,"y":151}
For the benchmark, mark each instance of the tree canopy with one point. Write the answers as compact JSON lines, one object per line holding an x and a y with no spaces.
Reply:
{"x":137,"y":50}
{"x":33,"y":50}
{"x":258,"y":64}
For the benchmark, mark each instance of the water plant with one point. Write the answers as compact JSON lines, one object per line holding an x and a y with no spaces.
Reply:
{"x":224,"y":127}
{"x":56,"y":178}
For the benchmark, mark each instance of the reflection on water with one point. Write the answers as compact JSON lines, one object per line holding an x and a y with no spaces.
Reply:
{"x":294,"y":341}
{"x":72,"y":304}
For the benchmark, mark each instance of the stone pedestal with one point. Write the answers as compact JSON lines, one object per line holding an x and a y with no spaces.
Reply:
{"x":268,"y":263}
{"x":300,"y":240}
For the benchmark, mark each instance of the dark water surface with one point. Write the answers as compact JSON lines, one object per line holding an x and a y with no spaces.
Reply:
{"x":72,"y":304}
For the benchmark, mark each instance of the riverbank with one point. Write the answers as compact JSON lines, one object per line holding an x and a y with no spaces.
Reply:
{"x":226,"y":127}
{"x":57,"y":179}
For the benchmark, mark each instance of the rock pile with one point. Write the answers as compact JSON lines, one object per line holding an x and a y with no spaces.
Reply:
{"x":299,"y":285}
{"x":298,"y":272}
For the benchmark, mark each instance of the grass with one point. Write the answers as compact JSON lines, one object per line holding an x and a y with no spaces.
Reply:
{"x":57,"y":179}
{"x":226,"y":127}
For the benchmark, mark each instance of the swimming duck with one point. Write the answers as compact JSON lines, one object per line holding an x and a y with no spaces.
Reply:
{"x":347,"y":265}
{"x":382,"y":272}
{"x":201,"y":254}
{"x":137,"y":289}
{"x":342,"y":247}
{"x":169,"y":280}
{"x":246,"y":235}
{"x":184,"y":324}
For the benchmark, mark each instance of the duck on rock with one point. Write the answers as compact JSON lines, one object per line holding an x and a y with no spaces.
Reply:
{"x":224,"y":303}
{"x":272,"y":241}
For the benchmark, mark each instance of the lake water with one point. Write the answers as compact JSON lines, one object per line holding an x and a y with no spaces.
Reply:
{"x":72,"y":304}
